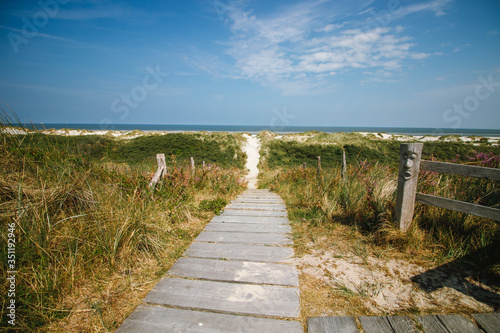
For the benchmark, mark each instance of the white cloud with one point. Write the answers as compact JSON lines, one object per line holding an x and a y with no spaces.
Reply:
{"x":437,"y":6}
{"x":299,"y":49}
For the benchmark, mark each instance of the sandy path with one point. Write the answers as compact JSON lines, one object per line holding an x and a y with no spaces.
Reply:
{"x":252,"y":149}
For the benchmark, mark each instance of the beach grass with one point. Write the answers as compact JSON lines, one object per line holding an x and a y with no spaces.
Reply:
{"x":91,"y":237}
{"x":322,"y":202}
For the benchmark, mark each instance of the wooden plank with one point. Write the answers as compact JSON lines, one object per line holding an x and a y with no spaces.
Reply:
{"x":332,"y":325}
{"x":489,"y":322}
{"x":237,"y":298}
{"x":460,"y":206}
{"x":262,"y":201}
{"x":244,"y":237}
{"x":409,"y":164}
{"x":432,"y":324}
{"x":402,"y":324}
{"x":375,"y":324}
{"x":248,"y":227}
{"x":236,"y":271}
{"x":460,"y":169}
{"x":239,"y":212}
{"x":256,"y":206}
{"x":245,"y":252}
{"x":157,"y":319}
{"x":252,"y":219}
{"x":162,"y":169}
{"x":458,"y":323}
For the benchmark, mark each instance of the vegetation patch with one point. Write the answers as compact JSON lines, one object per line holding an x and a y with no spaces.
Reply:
{"x":91,"y":237}
{"x":346,"y":224}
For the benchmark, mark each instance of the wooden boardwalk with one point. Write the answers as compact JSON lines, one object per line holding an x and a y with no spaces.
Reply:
{"x":236,"y":277}
{"x":485,"y":322}
{"x":233,"y":278}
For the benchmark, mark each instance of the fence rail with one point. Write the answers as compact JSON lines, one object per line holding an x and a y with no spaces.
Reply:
{"x":410,"y":164}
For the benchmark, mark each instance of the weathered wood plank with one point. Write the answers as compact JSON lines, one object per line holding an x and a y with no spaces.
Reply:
{"x":464,"y":207}
{"x":432,"y":324}
{"x":236,"y":271}
{"x":245,"y":252}
{"x":402,"y":324}
{"x":262,"y":201}
{"x":227,"y":297}
{"x":460,"y":169}
{"x":332,"y":325}
{"x":255,"y":206}
{"x":157,"y":319}
{"x":375,"y":324}
{"x":489,"y":322}
{"x":245,"y":237}
{"x":251,"y":219}
{"x":238,"y":212}
{"x":409,"y":163}
{"x":248,"y":227}
{"x":458,"y":323}
{"x":162,"y":169}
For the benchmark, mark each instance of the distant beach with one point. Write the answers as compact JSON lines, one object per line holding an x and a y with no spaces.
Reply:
{"x":277,"y":129}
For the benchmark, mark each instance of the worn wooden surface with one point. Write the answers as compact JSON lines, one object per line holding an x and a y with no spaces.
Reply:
{"x":245,"y":237}
{"x":409,"y":164}
{"x":252,"y":219}
{"x":251,"y":213}
{"x":256,"y":206}
{"x":245,"y":252}
{"x":160,"y":319}
{"x":235,"y":298}
{"x":489,"y":322}
{"x":235,"y":277}
{"x":332,"y":324}
{"x":460,"y":169}
{"x":249,"y":227}
{"x":162,"y":169}
{"x":460,"y":206}
{"x":233,"y":270}
{"x":375,"y":324}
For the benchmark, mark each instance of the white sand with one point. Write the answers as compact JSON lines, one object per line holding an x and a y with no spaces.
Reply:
{"x":252,"y":150}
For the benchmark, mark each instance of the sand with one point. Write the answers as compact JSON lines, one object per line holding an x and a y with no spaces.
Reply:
{"x":391,"y":285}
{"x":252,"y":150}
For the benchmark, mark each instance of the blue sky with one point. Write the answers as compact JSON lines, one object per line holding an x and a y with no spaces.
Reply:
{"x":397,"y":63}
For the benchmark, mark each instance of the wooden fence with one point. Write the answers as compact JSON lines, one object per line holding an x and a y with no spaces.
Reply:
{"x":410,"y":164}
{"x":162,"y":169}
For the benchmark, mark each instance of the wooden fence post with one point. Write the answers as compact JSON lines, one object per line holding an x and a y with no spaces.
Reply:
{"x":192,"y":165}
{"x":344,"y":166}
{"x":304,"y":165}
{"x":162,"y":169}
{"x":319,"y":166}
{"x":410,"y":155}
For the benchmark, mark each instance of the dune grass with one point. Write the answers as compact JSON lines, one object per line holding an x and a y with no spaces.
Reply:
{"x":365,"y":199}
{"x":91,"y":237}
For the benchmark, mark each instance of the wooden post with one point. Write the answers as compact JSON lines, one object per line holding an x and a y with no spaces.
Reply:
{"x":162,"y":169}
{"x":203,"y":165}
{"x":304,"y":165}
{"x":344,"y":166}
{"x":192,"y":164}
{"x":410,"y":155}
{"x":319,"y":165}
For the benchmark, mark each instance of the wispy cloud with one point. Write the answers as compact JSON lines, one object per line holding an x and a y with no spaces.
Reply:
{"x":438,"y":7}
{"x":302,"y":48}
{"x":38,"y":34}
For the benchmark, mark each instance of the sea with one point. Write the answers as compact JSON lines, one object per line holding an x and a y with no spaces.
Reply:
{"x":281,"y":130}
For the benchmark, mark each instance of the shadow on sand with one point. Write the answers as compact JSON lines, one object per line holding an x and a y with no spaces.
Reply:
{"x":459,"y":273}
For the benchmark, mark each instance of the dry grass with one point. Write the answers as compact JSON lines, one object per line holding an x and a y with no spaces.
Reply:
{"x":354,"y":260}
{"x":91,"y":238}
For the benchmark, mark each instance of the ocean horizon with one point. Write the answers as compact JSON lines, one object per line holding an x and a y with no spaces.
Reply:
{"x":417,"y":131}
